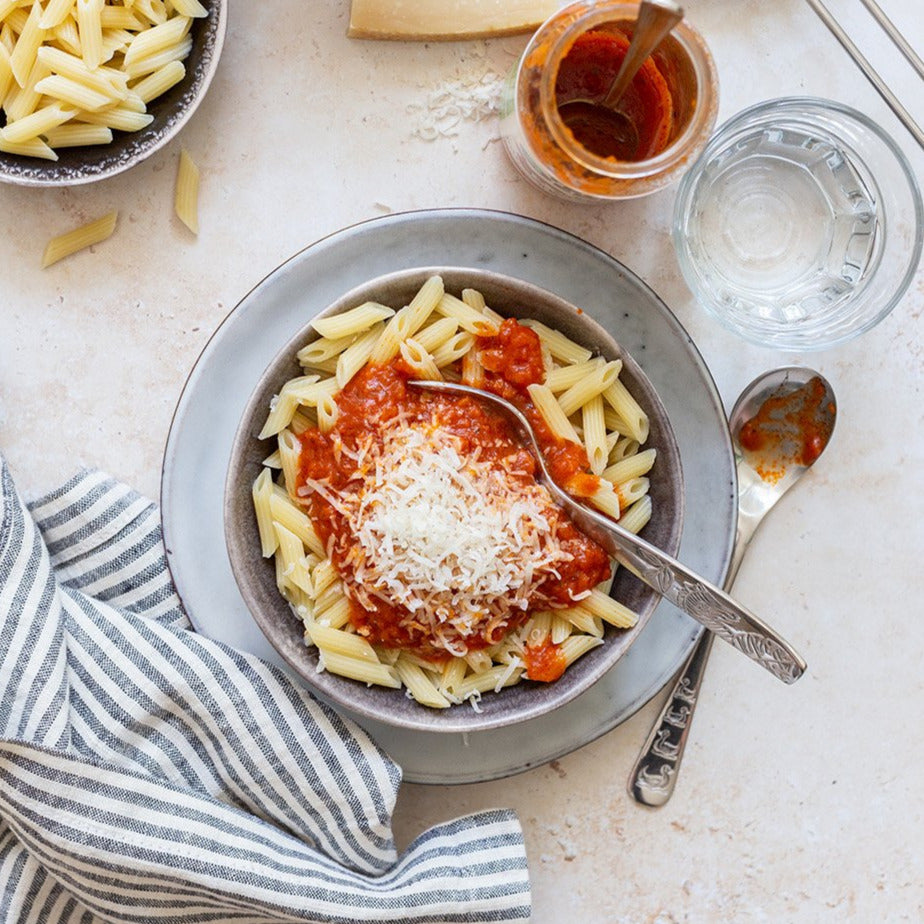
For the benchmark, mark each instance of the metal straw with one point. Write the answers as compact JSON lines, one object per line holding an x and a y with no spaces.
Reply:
{"x":863,"y":63}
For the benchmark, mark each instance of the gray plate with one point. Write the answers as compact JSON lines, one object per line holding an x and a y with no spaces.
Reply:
{"x":219,"y":386}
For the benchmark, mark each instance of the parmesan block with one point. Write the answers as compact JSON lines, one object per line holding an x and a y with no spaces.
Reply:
{"x":446,"y":20}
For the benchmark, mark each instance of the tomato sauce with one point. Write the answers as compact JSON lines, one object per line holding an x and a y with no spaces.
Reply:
{"x":545,"y":662}
{"x":367,"y":406}
{"x":789,"y":428}
{"x":513,"y":361}
{"x":587,"y":71}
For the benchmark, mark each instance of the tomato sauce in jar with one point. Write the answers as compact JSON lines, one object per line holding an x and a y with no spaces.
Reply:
{"x":673,"y":104}
{"x":587,"y":72}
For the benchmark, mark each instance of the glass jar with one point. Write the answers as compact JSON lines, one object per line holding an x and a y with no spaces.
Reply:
{"x":544,"y":149}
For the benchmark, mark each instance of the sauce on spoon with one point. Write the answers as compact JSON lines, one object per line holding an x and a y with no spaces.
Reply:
{"x":790,"y":427}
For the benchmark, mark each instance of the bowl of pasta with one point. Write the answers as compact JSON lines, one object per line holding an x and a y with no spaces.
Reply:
{"x":89,"y":88}
{"x":394,"y":543}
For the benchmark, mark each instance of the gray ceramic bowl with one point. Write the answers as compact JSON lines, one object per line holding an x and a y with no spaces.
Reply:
{"x":256,"y":576}
{"x":171,"y":111}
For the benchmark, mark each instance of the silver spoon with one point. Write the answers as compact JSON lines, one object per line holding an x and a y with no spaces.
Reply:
{"x":707,"y":604}
{"x":600,"y":118}
{"x":795,"y":402}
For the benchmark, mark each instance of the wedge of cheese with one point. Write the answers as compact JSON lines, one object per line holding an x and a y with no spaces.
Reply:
{"x":446,"y":20}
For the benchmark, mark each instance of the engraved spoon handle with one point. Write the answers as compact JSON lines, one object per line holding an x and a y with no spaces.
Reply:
{"x":654,"y":775}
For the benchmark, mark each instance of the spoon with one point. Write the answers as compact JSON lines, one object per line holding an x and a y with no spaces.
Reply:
{"x":785,"y":418}
{"x":707,"y":604}
{"x":600,"y":118}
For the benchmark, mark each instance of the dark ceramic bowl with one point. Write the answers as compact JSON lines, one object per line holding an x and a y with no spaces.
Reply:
{"x":171,"y":111}
{"x":256,"y":576}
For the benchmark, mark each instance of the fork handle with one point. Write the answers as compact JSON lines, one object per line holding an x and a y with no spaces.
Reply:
{"x":713,"y":608}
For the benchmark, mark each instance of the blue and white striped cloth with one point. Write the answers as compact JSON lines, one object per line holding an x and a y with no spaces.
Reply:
{"x":149,"y":774}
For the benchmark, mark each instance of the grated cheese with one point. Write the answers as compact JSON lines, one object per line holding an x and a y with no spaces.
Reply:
{"x":452,"y":539}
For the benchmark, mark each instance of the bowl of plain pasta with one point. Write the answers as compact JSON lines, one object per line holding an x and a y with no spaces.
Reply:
{"x":394,"y":543}
{"x":89,"y":88}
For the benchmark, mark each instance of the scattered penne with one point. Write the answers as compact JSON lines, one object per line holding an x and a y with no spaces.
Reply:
{"x":87,"y":235}
{"x":186,"y":197}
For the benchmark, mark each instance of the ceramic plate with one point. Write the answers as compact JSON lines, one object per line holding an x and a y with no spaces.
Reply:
{"x":219,"y":386}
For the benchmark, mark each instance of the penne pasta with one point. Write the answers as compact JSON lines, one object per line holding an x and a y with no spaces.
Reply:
{"x":561,"y":378}
{"x":434,"y":335}
{"x":575,"y":646}
{"x":262,"y":495}
{"x":594,"y":433}
{"x":344,"y":643}
{"x":122,"y":117}
{"x":358,"y":669}
{"x":55,"y":13}
{"x":601,"y":377}
{"x":327,"y":413}
{"x":637,"y":515}
{"x":355,"y":321}
{"x":607,"y":500}
{"x":186,"y":194}
{"x":627,"y":410}
{"x":150,"y":63}
{"x":561,"y":347}
{"x":30,"y":37}
{"x":322,"y":350}
{"x":295,"y":569}
{"x":457,"y":346}
{"x":419,"y":361}
{"x":608,"y":609}
{"x":90,"y":28}
{"x":37,"y":123}
{"x":357,"y":354}
{"x":160,"y":38}
{"x":158,"y":82}
{"x":419,"y":685}
{"x":192,"y":8}
{"x":63,"y":64}
{"x":73,"y":92}
{"x":323,"y":575}
{"x":71,"y":242}
{"x":552,"y":413}
{"x":631,"y":491}
{"x":22,"y":101}
{"x":34,"y":147}
{"x":468,"y":318}
{"x":336,"y":613}
{"x":6,"y":72}
{"x":630,"y":467}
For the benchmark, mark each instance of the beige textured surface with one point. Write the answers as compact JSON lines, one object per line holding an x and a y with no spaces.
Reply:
{"x":795,"y":804}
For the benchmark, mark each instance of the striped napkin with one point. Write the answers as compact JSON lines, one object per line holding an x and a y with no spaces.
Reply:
{"x":149,"y":774}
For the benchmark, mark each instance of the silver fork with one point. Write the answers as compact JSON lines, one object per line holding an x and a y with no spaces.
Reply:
{"x":706,"y":603}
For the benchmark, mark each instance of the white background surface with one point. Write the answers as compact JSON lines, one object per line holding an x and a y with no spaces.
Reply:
{"x":794,"y":804}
